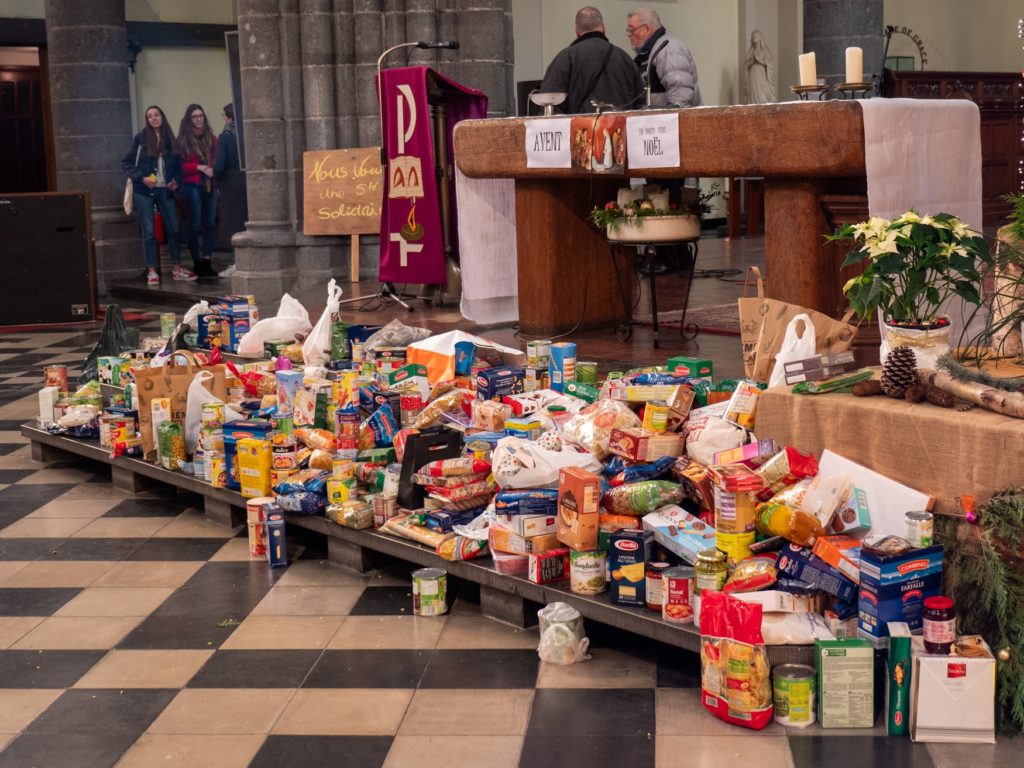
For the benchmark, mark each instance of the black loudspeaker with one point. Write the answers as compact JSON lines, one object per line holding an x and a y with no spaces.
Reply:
{"x":47,"y":272}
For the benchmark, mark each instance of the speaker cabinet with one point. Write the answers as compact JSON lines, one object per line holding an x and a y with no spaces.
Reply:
{"x":47,"y":267}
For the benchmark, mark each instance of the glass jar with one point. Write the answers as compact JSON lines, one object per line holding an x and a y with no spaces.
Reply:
{"x":939,"y":625}
{"x":710,"y":571}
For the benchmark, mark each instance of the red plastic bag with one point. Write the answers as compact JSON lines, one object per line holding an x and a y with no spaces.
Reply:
{"x":735,"y":676}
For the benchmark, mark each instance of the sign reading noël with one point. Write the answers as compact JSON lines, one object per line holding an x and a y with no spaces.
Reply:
{"x":342,"y":190}
{"x":652,"y":141}
{"x":547,"y":143}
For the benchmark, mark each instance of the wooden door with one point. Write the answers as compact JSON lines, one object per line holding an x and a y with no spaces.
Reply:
{"x":22,"y":134}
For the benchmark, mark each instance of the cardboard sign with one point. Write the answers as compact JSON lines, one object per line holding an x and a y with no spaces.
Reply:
{"x":341,"y":191}
{"x":547,"y":143}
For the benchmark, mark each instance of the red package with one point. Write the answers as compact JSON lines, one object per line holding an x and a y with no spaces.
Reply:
{"x":455,"y":467}
{"x":736,"y":478}
{"x":785,"y":468}
{"x":735,"y":677}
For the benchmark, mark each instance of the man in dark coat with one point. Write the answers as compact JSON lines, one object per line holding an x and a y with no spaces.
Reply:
{"x":592,"y":69}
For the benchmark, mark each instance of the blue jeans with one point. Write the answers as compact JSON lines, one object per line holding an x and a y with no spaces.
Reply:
{"x":202,"y":209}
{"x":145,"y":205}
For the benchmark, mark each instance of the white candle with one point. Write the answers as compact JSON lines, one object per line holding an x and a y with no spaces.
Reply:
{"x":628,"y":195}
{"x":854,"y":65}
{"x":659,"y":200}
{"x":808,"y":69}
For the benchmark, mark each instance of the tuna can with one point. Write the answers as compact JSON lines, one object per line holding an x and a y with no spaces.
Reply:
{"x":793,"y":693}
{"x":256,"y":518}
{"x":677,"y":595}
{"x":587,"y":572}
{"x":213,"y":414}
{"x":654,"y":584}
{"x":562,"y":364}
{"x":56,"y":376}
{"x":920,"y":528}
{"x":586,"y":372}
{"x":537,"y":353}
{"x":656,"y":416}
{"x":429,"y":592}
{"x":385,"y":506}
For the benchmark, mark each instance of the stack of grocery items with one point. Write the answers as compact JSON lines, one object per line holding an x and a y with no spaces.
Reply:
{"x":649,"y":486}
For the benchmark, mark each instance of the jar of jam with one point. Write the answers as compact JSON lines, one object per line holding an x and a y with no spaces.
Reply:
{"x":654,"y":585}
{"x":710,"y":571}
{"x":939,"y":625}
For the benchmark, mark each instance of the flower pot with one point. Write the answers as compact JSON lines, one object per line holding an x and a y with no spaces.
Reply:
{"x":929,"y":344}
{"x":656,"y":229}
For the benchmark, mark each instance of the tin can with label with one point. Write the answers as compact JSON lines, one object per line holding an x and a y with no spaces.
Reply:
{"x":656,"y":416}
{"x":677,"y":595}
{"x":920,"y":528}
{"x":278,"y":476}
{"x":343,"y":469}
{"x":212,"y":438}
{"x":654,"y":584}
{"x":429,"y":592}
{"x":385,"y":506}
{"x":213,"y":414}
{"x":56,"y":376}
{"x":562,"y":364}
{"x":209,"y":455}
{"x":168,"y":322}
{"x":793,"y":693}
{"x":537,"y":353}
{"x":587,"y":572}
{"x":284,"y":423}
{"x":256,"y":518}
{"x":218,"y":472}
{"x":586,"y":372}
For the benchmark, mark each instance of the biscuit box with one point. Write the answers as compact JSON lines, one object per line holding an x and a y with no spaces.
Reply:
{"x":795,"y":562}
{"x":628,"y":552}
{"x":894,"y":589}
{"x":496,"y":383}
{"x":579,"y":499}
{"x":680,"y":532}
{"x":638,"y":445}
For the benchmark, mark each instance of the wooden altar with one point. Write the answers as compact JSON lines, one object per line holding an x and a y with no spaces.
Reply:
{"x":803,"y":150}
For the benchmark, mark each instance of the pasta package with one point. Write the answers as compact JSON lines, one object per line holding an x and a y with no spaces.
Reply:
{"x":735,"y":676}
{"x":641,"y":498}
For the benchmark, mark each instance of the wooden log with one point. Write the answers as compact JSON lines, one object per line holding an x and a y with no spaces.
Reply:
{"x":998,"y":400}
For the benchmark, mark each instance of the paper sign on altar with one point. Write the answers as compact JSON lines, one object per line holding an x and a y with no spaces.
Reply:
{"x":547,"y":143}
{"x":652,"y":141}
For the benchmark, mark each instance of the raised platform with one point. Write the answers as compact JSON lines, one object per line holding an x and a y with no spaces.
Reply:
{"x":504,"y":598}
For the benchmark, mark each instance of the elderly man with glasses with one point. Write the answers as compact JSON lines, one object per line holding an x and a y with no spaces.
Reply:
{"x":665,"y":63}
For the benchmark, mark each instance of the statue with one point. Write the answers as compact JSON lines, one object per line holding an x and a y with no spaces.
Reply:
{"x":760,"y":78}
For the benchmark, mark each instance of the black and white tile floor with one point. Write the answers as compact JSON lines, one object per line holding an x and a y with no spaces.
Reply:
{"x":135,"y":633}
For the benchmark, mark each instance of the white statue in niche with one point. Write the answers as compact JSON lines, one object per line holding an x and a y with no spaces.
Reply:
{"x":760,"y":77}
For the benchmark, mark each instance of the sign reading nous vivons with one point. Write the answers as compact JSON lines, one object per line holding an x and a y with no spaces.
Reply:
{"x":341,"y":191}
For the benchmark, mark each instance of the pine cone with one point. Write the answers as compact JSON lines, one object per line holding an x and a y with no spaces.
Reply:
{"x":899,"y":371}
{"x":916,"y":393}
{"x":939,"y":397}
{"x":868,"y":388}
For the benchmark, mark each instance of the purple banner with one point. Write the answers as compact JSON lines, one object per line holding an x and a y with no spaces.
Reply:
{"x":411,"y":235}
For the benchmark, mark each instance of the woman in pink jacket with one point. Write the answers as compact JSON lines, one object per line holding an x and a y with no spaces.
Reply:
{"x":198,"y":146}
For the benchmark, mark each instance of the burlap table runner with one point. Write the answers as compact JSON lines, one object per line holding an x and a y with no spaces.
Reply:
{"x":934,"y":450}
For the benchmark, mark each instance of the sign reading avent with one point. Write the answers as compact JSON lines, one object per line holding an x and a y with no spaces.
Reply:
{"x":341,"y":191}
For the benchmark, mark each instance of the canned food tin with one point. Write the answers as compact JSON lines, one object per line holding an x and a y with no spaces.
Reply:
{"x":213,"y":414}
{"x":586,"y":372}
{"x":656,"y":417}
{"x":343,"y":469}
{"x":385,"y":506}
{"x":56,"y":376}
{"x":587,"y":572}
{"x":218,"y":472}
{"x":278,"y":476}
{"x":212,"y":438}
{"x":256,"y":518}
{"x":429,"y":592}
{"x":735,"y":546}
{"x":285,"y":424}
{"x":677,"y":594}
{"x":167,"y":324}
{"x":653,"y":585}
{"x":209,"y":456}
{"x":920,"y":528}
{"x":537,"y":352}
{"x":793,"y":694}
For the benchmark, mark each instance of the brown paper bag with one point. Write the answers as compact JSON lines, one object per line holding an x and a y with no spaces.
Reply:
{"x":771,"y":317}
{"x":171,"y":380}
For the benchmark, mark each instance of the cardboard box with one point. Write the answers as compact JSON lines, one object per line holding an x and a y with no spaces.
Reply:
{"x":953,"y":698}
{"x":628,"y":553}
{"x":48,"y":397}
{"x":495,"y":383}
{"x":642,"y":393}
{"x":504,"y":540}
{"x":533,"y":501}
{"x":579,"y":501}
{"x":233,"y":432}
{"x":254,"y":467}
{"x":751,"y":455}
{"x":526,"y":428}
{"x":679,"y":405}
{"x":550,"y":566}
{"x":819,"y":361}
{"x":817,"y":374}
{"x":680,"y":532}
{"x":795,"y":562}
{"x":898,"y":679}
{"x":842,"y":553}
{"x":895,"y":588}
{"x":635,"y":444}
{"x":529,"y":525}
{"x":846,"y":683}
{"x":694,"y":367}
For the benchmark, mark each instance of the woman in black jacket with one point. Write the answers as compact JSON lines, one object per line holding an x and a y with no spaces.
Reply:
{"x":154,"y":166}
{"x":230,"y":179}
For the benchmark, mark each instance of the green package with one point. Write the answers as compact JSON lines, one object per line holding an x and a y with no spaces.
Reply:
{"x":341,"y":349}
{"x":898,"y":679}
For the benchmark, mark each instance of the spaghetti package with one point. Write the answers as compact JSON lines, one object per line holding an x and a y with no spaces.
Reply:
{"x":641,"y":498}
{"x":735,"y":677}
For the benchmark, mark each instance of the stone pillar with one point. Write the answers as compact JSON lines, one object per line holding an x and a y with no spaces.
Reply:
{"x":830,"y":26}
{"x":90,"y":102}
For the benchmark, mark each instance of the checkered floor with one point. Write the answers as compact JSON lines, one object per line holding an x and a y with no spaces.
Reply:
{"x":135,"y":633}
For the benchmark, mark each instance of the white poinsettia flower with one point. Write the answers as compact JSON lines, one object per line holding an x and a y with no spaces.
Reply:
{"x":910,"y":217}
{"x":879,"y":246}
{"x":927,"y":220}
{"x":873,"y":227}
{"x":849,"y":284}
{"x":960,"y":229}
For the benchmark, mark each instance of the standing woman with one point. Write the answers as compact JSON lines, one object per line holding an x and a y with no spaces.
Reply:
{"x":230,"y":177}
{"x":154,"y":166}
{"x":198,"y":146}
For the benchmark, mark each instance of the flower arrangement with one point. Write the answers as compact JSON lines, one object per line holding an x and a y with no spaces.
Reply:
{"x":612,"y":215}
{"x":912,"y":265}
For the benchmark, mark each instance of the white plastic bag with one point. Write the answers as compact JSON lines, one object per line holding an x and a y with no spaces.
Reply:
{"x":718,"y":435}
{"x":519,"y":463}
{"x":561,"y":635}
{"x":292,"y":320}
{"x":794,"y":628}
{"x":202,"y":308}
{"x":794,"y":347}
{"x":316,"y":349}
{"x":197,"y":395}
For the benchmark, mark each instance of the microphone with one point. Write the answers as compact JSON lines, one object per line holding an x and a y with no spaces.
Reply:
{"x":450,"y":44}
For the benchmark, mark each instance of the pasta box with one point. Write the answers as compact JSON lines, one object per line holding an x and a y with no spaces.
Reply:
{"x":841,"y":552}
{"x":628,"y":552}
{"x":894,"y":588}
{"x":796,"y":562}
{"x":528,"y":525}
{"x":537,"y":501}
{"x":496,"y":383}
{"x":579,"y":499}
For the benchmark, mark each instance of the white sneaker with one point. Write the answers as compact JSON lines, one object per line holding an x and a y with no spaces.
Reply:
{"x":229,"y":272}
{"x":153,"y":278}
{"x":184,"y":274}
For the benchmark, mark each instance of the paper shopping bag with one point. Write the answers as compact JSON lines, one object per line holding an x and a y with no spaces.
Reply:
{"x":830,"y":335}
{"x":752,"y":310}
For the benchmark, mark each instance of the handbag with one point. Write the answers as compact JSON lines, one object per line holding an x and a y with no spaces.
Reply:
{"x":129,"y":188}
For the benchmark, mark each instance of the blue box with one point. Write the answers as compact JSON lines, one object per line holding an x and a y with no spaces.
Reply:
{"x":540,"y":501}
{"x":796,"y":562}
{"x":628,"y":553}
{"x":894,"y":589}
{"x":277,"y":545}
{"x":232,"y":331}
{"x":495,"y":383}
{"x":233,"y":432}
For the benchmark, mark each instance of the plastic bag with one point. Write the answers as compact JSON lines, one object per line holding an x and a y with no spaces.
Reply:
{"x":718,"y":435}
{"x":115,"y":338}
{"x":641,"y":498}
{"x":202,"y":308}
{"x":292,"y":319}
{"x":197,"y":395}
{"x":316,"y":349}
{"x":395,"y":334}
{"x":519,"y":463}
{"x":592,"y":427}
{"x":562,"y":640}
{"x":798,"y":344}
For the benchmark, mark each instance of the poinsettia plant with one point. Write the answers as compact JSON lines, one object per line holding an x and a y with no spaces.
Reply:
{"x":912,"y":265}
{"x":610,"y":216}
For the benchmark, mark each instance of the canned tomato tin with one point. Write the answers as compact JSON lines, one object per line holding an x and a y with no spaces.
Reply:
{"x":385,"y":506}
{"x":587,"y":571}
{"x":213,"y":414}
{"x":656,"y":417}
{"x":676,"y":595}
{"x":920,"y":528}
{"x":429,"y":592}
{"x":56,"y":376}
{"x":653,"y":585}
{"x":256,"y":518}
{"x":793,"y":694}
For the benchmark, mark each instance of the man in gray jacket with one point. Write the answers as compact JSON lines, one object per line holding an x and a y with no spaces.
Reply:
{"x":592,"y":69}
{"x":666,"y":64}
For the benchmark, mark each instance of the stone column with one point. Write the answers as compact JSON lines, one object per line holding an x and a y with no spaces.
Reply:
{"x":830,"y":26}
{"x":90,"y":102}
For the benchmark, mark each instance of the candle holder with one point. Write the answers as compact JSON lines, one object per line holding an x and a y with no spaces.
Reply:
{"x":851,"y":90}
{"x":804,"y":91}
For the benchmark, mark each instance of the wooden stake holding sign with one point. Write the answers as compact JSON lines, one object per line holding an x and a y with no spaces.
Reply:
{"x":341,"y":195}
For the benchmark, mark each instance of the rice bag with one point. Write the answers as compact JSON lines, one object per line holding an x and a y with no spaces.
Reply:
{"x":641,"y":498}
{"x":303,"y":503}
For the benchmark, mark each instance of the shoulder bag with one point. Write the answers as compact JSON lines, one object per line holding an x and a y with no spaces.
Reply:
{"x":129,"y":188}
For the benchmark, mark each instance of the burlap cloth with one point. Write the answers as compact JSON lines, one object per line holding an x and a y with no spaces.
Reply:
{"x":934,"y":450}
